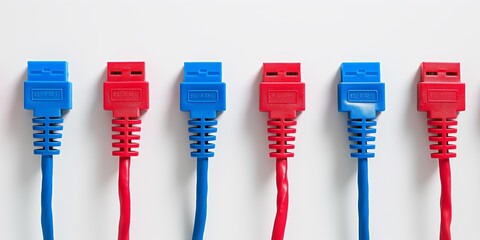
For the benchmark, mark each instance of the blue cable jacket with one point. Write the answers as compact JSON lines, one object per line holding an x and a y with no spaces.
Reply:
{"x":363,"y":212}
{"x":47,"y":213}
{"x":201,"y":208}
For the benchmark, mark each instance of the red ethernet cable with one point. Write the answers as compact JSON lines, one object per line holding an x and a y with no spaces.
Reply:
{"x":281,"y":95}
{"x":442,"y":96}
{"x":125,"y":93}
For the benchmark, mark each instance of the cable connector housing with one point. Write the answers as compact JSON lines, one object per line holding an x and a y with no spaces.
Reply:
{"x":47,"y":92}
{"x":442,"y":96}
{"x":362,"y":95}
{"x":282,"y":95}
{"x":440,"y":92}
{"x":126,"y":92}
{"x":203,"y":94}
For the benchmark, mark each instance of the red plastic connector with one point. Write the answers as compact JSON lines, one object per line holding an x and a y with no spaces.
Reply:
{"x":440,"y":92}
{"x":281,"y":92}
{"x":125,"y":91}
{"x":282,"y":95}
{"x":442,"y":96}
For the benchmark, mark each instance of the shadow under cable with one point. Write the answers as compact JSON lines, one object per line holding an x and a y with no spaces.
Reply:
{"x":345,"y":168}
{"x":27,"y":165}
{"x":416,"y":129}
{"x":184,"y":165}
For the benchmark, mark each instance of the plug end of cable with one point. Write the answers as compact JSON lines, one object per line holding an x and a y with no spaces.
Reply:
{"x":440,"y":92}
{"x":360,"y":92}
{"x":125,"y":92}
{"x":362,"y":95}
{"x":46,"y":90}
{"x":282,"y":94}
{"x":202,"y":93}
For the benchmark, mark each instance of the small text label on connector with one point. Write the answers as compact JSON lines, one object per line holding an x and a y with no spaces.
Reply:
{"x":445,"y":95}
{"x":120,"y":95}
{"x":47,"y":94}
{"x":206,"y":96}
{"x":285,"y":97}
{"x":362,"y":96}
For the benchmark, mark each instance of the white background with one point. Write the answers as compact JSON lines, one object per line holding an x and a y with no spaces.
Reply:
{"x":243,"y":34}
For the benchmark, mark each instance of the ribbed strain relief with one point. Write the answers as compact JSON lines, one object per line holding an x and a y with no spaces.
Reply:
{"x":362,"y":134}
{"x":202,"y":135}
{"x":48,"y":131}
{"x":281,"y":131}
{"x":441,"y":130}
{"x":124,"y":137}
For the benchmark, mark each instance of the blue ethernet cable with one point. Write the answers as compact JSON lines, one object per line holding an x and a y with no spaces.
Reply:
{"x":202,"y":93}
{"x":362,"y":95}
{"x":47,"y":92}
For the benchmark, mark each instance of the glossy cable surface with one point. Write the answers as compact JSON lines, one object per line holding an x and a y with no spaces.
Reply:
{"x":363,"y":211}
{"x":445,"y":199}
{"x":47,"y":188}
{"x":282,"y":199}
{"x":201,"y":204}
{"x":124,"y":196}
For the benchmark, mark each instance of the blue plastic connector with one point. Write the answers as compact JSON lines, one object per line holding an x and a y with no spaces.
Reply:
{"x":47,"y":90}
{"x":202,"y":93}
{"x":361,"y":93}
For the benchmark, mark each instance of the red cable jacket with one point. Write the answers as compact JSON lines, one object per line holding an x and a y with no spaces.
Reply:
{"x":445,"y":199}
{"x":124,"y":195}
{"x":282,"y":200}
